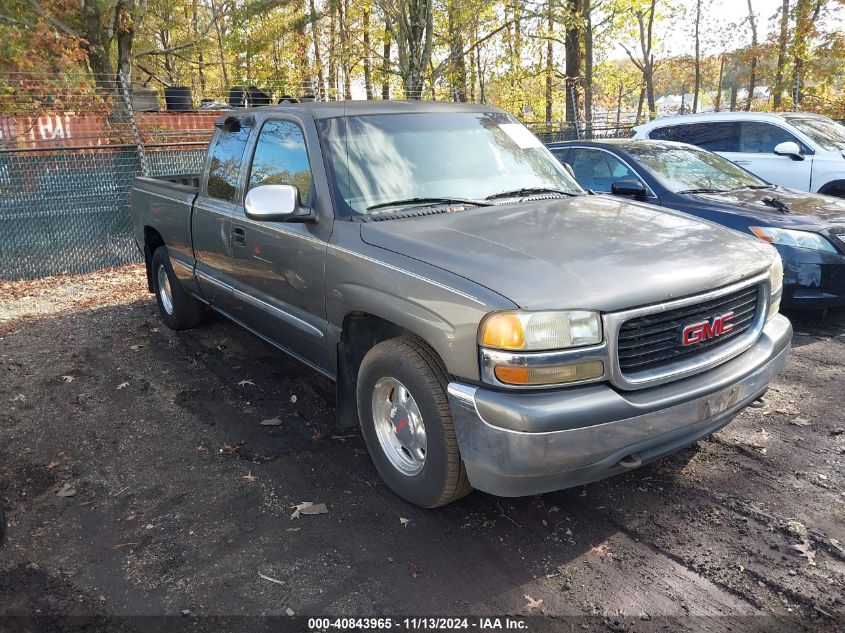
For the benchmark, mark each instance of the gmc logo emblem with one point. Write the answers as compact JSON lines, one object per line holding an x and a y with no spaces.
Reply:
{"x":699,"y":332}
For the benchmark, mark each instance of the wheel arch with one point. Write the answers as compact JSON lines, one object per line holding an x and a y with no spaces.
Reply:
{"x":152,"y":241}
{"x":360,"y":332}
{"x":833,"y":188}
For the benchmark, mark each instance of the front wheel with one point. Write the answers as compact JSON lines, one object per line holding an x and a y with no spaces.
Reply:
{"x":407,"y":424}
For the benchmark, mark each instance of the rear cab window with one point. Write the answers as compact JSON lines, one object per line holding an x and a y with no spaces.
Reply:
{"x":227,"y":157}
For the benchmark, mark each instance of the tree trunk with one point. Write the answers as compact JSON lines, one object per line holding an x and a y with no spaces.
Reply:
{"x":783,"y":39}
{"x":458,"y":70}
{"x":332,"y":89}
{"x":752,"y":79}
{"x":414,"y":43}
{"x":697,"y":87}
{"x":588,"y":61}
{"x":368,"y":70}
{"x":573,"y":61}
{"x":320,"y":92}
{"x":343,"y":28}
{"x":733,"y":97}
{"x":97,"y":46}
{"x":718,"y":103}
{"x":550,"y":64}
{"x":640,"y":104}
{"x":385,"y":64}
{"x":220,"y":48}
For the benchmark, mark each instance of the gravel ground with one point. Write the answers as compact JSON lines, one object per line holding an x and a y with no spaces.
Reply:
{"x":138,"y":479}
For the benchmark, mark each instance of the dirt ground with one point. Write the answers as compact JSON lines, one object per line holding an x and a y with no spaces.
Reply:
{"x":138,"y":479}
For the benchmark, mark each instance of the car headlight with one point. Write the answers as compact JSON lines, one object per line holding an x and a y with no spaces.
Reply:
{"x":776,"y":286}
{"x":535,"y":331}
{"x":791,"y":237}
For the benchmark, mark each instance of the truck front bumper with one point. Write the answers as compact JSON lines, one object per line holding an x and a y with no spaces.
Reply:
{"x":516,"y":444}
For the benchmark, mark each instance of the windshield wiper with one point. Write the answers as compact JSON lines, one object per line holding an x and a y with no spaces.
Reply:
{"x":529,"y":191}
{"x":428,"y":201}
{"x":703,"y":190}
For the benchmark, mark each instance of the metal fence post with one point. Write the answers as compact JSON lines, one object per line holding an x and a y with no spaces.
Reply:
{"x":142,"y":156}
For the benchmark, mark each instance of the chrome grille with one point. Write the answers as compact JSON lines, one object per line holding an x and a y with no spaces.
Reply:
{"x":654,"y":341}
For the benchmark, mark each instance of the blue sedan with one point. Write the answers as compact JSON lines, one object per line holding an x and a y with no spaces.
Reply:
{"x":807,"y":229}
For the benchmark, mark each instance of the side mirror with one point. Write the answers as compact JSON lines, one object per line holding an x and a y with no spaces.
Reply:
{"x":628,"y":188}
{"x":276,"y":203}
{"x":788,"y":148}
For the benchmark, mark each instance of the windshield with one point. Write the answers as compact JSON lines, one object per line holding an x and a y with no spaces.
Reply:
{"x":829,"y":134}
{"x":689,"y":169}
{"x":417,"y":158}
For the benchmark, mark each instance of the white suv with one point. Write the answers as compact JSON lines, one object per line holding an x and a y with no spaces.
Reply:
{"x":796,"y":150}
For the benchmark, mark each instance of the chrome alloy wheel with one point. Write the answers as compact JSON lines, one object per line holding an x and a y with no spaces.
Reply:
{"x":164,"y":292}
{"x":399,"y":426}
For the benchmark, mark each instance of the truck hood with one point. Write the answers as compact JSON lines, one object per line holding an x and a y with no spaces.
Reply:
{"x":805,"y":209}
{"x":590,"y":252}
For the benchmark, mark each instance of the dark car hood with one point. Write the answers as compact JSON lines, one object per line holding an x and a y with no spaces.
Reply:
{"x":804,"y":208}
{"x":591,"y":252}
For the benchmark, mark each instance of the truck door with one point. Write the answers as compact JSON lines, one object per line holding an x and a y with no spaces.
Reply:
{"x":213,"y":210}
{"x":278,"y":266}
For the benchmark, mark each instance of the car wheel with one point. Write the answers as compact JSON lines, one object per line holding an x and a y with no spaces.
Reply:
{"x":407,"y":423}
{"x":178,"y":309}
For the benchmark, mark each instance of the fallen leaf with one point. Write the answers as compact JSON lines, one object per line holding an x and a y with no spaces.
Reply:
{"x":67,"y":378}
{"x":404,"y":521}
{"x":290,"y":611}
{"x":308,"y":507}
{"x":244,"y":383}
{"x":250,"y":477}
{"x":293,"y":399}
{"x":805,"y":550}
{"x":228,"y":449}
{"x":271,"y":422}
{"x":294,"y":529}
{"x":18,"y":398}
{"x":800,"y":422}
{"x":532,"y":604}
{"x":123,"y":385}
{"x":135,"y":348}
{"x":66,"y":490}
{"x":796,"y":528}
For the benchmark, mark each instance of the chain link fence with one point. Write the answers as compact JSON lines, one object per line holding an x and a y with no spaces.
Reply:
{"x":68,"y":153}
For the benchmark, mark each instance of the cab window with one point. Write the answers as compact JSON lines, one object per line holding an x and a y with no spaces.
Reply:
{"x":281,"y":158}
{"x":598,"y":170}
{"x":227,"y":158}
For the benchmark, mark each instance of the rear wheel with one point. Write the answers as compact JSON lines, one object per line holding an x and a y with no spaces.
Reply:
{"x":178,"y":309}
{"x":407,"y":424}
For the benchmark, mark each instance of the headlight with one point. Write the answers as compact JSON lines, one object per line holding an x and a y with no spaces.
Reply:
{"x":776,"y":286}
{"x":535,"y":331}
{"x":791,"y":237}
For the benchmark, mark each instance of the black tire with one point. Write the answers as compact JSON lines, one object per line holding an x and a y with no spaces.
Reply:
{"x":443,"y":478}
{"x":185,"y":311}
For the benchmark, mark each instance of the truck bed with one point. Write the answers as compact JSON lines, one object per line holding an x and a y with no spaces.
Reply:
{"x":164,"y":205}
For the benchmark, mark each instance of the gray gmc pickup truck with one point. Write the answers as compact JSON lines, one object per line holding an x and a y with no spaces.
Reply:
{"x":488,"y":323}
